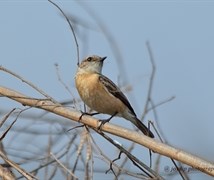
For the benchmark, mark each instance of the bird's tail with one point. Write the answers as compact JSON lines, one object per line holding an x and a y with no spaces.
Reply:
{"x":143,"y":128}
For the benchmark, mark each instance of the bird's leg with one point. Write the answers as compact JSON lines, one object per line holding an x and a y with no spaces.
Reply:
{"x":102,"y":122}
{"x":89,"y":114}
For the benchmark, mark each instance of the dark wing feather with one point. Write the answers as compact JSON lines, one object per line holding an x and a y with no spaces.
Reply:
{"x":115,"y":91}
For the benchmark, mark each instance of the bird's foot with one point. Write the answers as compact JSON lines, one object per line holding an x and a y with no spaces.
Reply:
{"x":89,"y":114}
{"x":103,"y":121}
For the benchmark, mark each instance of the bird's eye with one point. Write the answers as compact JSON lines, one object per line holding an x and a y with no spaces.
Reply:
{"x":89,"y":59}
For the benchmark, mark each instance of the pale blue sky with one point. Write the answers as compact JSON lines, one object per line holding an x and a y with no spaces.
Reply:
{"x":34,"y":36}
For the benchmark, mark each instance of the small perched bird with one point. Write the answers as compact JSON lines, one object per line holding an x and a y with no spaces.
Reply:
{"x":102,"y":95}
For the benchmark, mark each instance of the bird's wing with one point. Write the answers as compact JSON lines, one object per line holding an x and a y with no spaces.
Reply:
{"x":115,"y":91}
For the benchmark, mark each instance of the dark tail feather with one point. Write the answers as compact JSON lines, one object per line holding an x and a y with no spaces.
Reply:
{"x":143,"y":128}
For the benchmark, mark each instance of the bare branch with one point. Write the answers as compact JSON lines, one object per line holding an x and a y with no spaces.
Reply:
{"x":139,"y":138}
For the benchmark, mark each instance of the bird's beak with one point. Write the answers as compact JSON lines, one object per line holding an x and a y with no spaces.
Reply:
{"x":103,"y":58}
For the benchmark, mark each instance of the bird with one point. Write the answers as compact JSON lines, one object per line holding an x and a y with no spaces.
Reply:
{"x":102,"y":95}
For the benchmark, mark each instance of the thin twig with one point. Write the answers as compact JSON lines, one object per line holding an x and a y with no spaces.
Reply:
{"x":64,"y":85}
{"x":161,"y":103}
{"x":149,"y":97}
{"x":110,"y":39}
{"x":6,"y":117}
{"x":17,"y":167}
{"x":62,"y":165}
{"x":151,"y":81}
{"x":80,"y":148}
{"x":131,"y":147}
{"x":180,"y":171}
{"x":135,"y":160}
{"x":63,"y":153}
{"x":112,"y":164}
{"x":8,"y":129}
{"x":71,"y":27}
{"x":28,"y":83}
